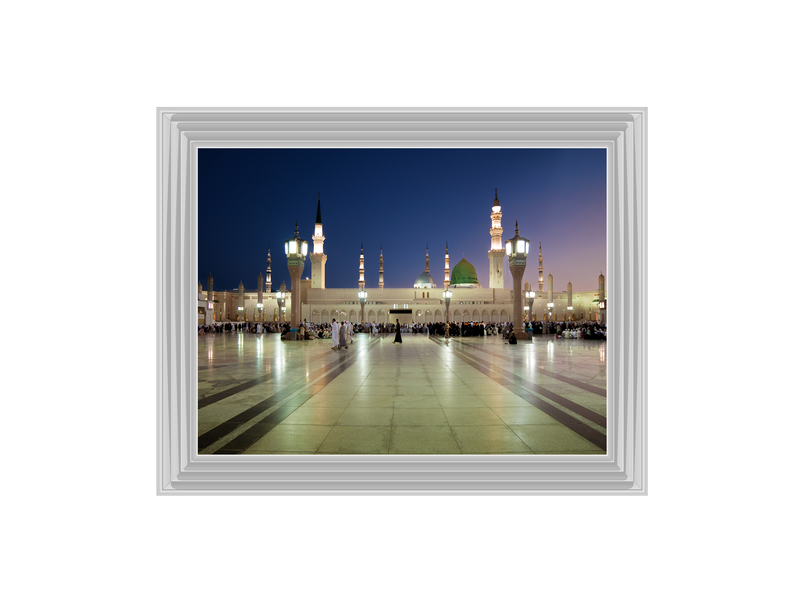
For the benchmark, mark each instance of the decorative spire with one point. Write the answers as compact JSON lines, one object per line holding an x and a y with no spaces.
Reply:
{"x":381,"y":284}
{"x":318,"y":213}
{"x":297,"y":229}
{"x":496,"y":200}
{"x":361,"y":281}
{"x":517,"y":228}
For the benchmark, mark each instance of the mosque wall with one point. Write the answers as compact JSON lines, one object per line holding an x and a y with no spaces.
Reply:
{"x":476,"y":305}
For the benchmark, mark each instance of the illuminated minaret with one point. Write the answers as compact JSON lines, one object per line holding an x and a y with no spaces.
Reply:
{"x":446,"y":267}
{"x":496,"y":253}
{"x":382,"y":284}
{"x":317,"y":259}
{"x":541,"y":270}
{"x":550,"y":288}
{"x":268,"y":272}
{"x":259,"y":288}
{"x":361,"y":283}
{"x":569,"y":295}
{"x":427,"y":259}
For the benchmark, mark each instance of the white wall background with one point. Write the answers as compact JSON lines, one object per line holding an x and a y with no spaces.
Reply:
{"x":81,"y":83}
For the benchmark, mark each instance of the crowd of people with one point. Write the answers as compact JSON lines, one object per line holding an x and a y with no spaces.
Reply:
{"x":309,"y":330}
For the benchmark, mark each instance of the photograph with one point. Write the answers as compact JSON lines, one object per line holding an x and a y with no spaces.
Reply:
{"x":402,"y":301}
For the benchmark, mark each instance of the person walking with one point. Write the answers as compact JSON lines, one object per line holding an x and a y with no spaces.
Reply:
{"x":335,"y":345}
{"x":398,"y":338}
{"x":342,"y":335}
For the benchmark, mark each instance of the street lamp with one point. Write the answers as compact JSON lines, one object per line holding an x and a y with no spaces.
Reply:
{"x":280,"y":300}
{"x":447,"y":298}
{"x":259,"y":308}
{"x":362,"y":295}
{"x":296,"y":251}
{"x":517,"y":249}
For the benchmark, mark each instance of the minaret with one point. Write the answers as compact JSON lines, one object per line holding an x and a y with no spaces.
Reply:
{"x":382,"y":284}
{"x":496,"y":253}
{"x":361,"y":283}
{"x":259,"y":288}
{"x":446,"y":267}
{"x":268,"y":272}
{"x":550,"y":288}
{"x":569,"y":294}
{"x":317,"y":259}
{"x":240,"y":297}
{"x":541,"y":269}
{"x":200,"y":288}
{"x":427,"y":259}
{"x":209,"y":287}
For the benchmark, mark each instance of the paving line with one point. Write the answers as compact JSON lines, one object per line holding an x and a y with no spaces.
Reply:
{"x":211,"y":399}
{"x":237,"y":434}
{"x":568,"y":380}
{"x":582,"y":429}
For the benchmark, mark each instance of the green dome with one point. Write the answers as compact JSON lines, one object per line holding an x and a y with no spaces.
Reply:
{"x":463,"y":274}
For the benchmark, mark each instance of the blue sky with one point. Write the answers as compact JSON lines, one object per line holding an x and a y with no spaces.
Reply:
{"x":403,"y":199}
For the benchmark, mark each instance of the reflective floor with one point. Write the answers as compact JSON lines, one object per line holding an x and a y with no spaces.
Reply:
{"x":475,"y":395}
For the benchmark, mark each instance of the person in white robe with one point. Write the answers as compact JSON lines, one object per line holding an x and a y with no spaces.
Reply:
{"x":335,"y":326}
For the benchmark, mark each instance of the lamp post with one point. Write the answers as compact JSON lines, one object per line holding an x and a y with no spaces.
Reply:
{"x":531,"y":295}
{"x":362,"y":295}
{"x":280,"y":300}
{"x":259,"y":308}
{"x":550,"y":311}
{"x":296,"y":251}
{"x":517,"y":249}
{"x":447,"y":298}
{"x":239,"y":310}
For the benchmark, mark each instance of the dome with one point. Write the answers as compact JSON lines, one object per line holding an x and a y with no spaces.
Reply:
{"x":425,"y":281}
{"x":464,"y":275}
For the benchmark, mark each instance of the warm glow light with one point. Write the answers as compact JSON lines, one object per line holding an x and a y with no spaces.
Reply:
{"x":520,"y":246}
{"x":527,"y":246}
{"x":286,"y":248}
{"x":304,"y":247}
{"x":508,"y":248}
{"x":292,"y":245}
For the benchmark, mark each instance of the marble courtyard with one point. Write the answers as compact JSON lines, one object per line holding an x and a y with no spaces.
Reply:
{"x":475,"y":395}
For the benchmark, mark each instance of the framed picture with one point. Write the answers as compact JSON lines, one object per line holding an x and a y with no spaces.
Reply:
{"x":486,"y":447}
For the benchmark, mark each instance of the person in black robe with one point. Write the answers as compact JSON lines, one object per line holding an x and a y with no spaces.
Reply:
{"x":398,"y":338}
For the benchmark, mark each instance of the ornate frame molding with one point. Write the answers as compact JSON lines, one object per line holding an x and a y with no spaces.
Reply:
{"x":180,"y":132}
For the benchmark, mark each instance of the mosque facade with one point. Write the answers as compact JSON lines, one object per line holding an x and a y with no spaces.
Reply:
{"x":421,"y":303}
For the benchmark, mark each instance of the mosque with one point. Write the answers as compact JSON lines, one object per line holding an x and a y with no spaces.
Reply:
{"x":421,"y":303}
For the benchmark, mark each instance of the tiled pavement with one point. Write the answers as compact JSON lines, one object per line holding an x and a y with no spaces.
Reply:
{"x":477,"y":395}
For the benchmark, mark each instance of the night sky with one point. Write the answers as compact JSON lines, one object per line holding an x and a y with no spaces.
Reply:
{"x":404,"y":199}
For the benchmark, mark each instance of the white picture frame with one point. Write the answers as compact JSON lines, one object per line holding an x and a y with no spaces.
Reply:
{"x":182,"y":131}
